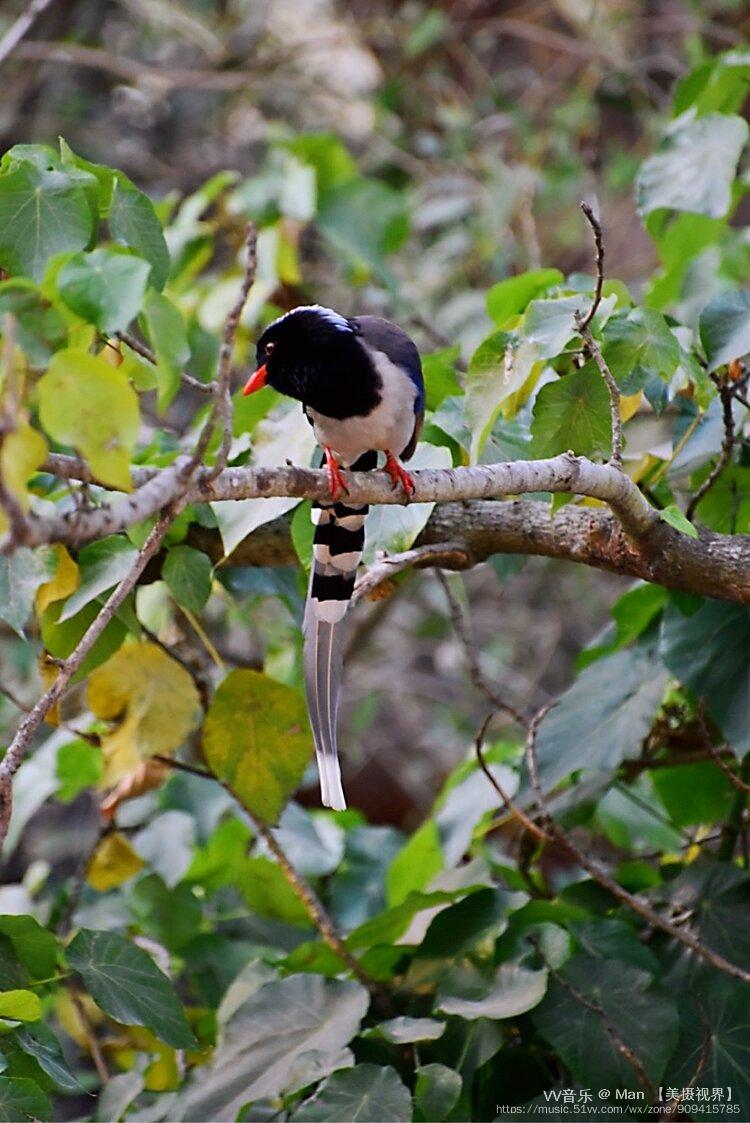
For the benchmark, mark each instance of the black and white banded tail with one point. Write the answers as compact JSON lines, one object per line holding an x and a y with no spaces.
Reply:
{"x":337,"y":548}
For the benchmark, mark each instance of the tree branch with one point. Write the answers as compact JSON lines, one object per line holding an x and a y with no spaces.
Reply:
{"x":603,"y":878}
{"x":726,"y":393}
{"x":22,"y":25}
{"x":34,"y":718}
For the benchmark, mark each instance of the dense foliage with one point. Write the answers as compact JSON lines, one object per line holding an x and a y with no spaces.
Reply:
{"x":173,"y":964}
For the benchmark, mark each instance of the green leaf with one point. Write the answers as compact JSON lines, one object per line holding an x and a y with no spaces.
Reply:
{"x":710,"y":653}
{"x":168,"y":333}
{"x":85,"y":402}
{"x":645,"y":1019}
{"x":456,"y":930}
{"x":416,"y":864}
{"x":436,"y":1091}
{"x":21,"y":574}
{"x":404,"y":1030}
{"x":726,"y":507}
{"x":551,"y":323}
{"x":439,"y":373}
{"x":133,"y":222}
{"x":714,"y":1047}
{"x":21,"y":1100}
{"x":102,"y":565}
{"x":265,"y":1038}
{"x":171,"y":916}
{"x":639,"y":347}
{"x":725,"y":328}
{"x":43,"y":211}
{"x":602,"y":718}
{"x":79,"y":766}
{"x":365,"y":219}
{"x":20,"y":1005}
{"x":694,"y":793}
{"x":498,"y":369}
{"x":510,"y":297}
{"x":572,"y":413}
{"x":40,"y":1043}
{"x":695,"y":168}
{"x":61,"y":639}
{"x":40,"y":329}
{"x":126,"y":983}
{"x":189,"y":575}
{"x":674,"y":516}
{"x":366,"y":1093}
{"x":104,"y":287}
{"x":512,"y":990}
{"x":268,"y":893}
{"x":257,"y":739}
{"x":35,"y":946}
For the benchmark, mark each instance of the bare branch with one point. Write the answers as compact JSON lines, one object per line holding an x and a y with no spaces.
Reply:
{"x":603,"y":878}
{"x":449,"y":554}
{"x":146,"y":353}
{"x":22,"y":25}
{"x":129,"y":69}
{"x":221,"y":409}
{"x":314,"y":908}
{"x":591,"y":347}
{"x":726,"y":393}
{"x":463,"y":631}
{"x":596,"y":227}
{"x":512,"y":808}
{"x":608,"y":1025}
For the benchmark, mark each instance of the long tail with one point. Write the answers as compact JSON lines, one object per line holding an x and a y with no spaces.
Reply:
{"x":337,"y":547}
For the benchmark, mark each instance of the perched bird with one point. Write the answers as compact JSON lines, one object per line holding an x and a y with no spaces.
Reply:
{"x":361,"y":387}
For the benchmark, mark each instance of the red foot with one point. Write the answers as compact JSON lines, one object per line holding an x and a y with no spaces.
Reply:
{"x":336,"y":482}
{"x":399,"y":475}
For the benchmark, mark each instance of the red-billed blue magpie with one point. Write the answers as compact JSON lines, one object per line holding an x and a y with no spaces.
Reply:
{"x":360,"y":383}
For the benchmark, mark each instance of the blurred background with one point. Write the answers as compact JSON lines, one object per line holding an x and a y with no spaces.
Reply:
{"x":475,"y":129}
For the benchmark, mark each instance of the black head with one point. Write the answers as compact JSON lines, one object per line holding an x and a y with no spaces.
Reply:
{"x":314,"y":354}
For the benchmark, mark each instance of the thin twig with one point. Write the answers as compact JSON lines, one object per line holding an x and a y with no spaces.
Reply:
{"x":146,"y":353}
{"x":21,"y":27}
{"x":68,"y":667}
{"x":221,"y":408}
{"x":452,"y":554}
{"x":726,"y":394}
{"x":596,"y":227}
{"x":463,"y":631}
{"x":315,"y":910}
{"x":608,"y":1025}
{"x":512,"y":808}
{"x":583,"y":327}
{"x":603,"y":878}
{"x":90,"y":1034}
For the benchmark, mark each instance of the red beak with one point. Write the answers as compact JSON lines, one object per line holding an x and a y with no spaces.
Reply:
{"x":256,"y":381}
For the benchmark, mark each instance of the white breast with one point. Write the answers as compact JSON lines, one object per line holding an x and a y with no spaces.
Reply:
{"x":389,"y":426}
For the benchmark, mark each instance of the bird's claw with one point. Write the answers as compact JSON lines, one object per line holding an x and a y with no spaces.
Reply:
{"x":336,"y":482}
{"x":399,"y":476}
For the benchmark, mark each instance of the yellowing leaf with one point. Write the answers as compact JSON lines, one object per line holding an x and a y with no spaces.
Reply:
{"x":149,"y":774}
{"x":85,"y":402}
{"x":113,"y":862}
{"x":48,"y":672}
{"x":152,"y":697}
{"x":20,"y":1005}
{"x":61,"y":585}
{"x":629,"y":405}
{"x":257,"y":738}
{"x":22,"y":454}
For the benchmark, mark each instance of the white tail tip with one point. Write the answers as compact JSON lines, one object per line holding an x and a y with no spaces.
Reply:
{"x":331,"y":791}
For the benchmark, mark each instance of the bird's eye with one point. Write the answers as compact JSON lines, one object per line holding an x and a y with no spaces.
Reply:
{"x":269,"y":348}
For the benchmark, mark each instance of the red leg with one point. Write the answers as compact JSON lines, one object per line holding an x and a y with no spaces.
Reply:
{"x":399,"y":474}
{"x":336,"y":482}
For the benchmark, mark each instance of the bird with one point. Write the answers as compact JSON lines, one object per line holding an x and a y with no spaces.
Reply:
{"x":360,"y":383}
